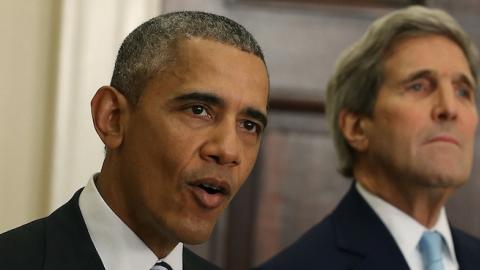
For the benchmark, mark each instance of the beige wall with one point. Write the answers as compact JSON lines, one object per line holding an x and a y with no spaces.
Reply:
{"x":54,"y":55}
{"x":27,"y":68}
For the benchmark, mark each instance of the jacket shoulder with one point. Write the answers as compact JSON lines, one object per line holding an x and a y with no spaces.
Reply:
{"x":23,"y":247}
{"x":315,"y":246}
{"x":327,"y":244}
{"x":465,"y":243}
{"x":192,"y":261}
{"x":466,"y":239}
{"x":467,"y":249}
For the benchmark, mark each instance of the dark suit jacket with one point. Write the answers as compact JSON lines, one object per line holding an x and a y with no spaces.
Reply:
{"x":60,"y":242}
{"x":354,"y":237}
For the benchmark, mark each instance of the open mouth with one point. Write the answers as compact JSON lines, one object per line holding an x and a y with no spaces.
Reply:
{"x":210,"y":193}
{"x":211,"y":189}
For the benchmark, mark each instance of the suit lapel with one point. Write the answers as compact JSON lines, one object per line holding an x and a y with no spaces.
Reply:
{"x":68,"y":244}
{"x":360,"y":231}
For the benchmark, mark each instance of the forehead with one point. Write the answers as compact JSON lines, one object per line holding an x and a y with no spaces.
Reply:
{"x":210,"y":66}
{"x":429,"y":52}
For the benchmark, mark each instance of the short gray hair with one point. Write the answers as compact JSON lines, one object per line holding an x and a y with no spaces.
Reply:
{"x":359,"y":71}
{"x":149,"y":49}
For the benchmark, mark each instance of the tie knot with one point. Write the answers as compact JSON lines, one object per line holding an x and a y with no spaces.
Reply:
{"x":161,"y":265}
{"x":431,"y":248}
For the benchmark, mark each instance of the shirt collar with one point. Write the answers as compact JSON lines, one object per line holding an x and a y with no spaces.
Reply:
{"x":117,"y":245}
{"x":174,"y":258}
{"x":443,"y":228}
{"x":406,"y":230}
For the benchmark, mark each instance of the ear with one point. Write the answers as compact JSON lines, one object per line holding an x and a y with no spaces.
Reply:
{"x":353,"y":129}
{"x":110,"y":111}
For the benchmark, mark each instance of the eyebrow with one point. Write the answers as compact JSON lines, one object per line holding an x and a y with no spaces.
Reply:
{"x":199,"y":96}
{"x":257,"y":115}
{"x":418,"y":74}
{"x":217,"y":101}
{"x":426,"y":73}
{"x":463,"y":78}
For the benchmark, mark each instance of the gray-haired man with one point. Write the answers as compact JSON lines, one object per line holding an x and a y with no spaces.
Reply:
{"x":401,"y":105}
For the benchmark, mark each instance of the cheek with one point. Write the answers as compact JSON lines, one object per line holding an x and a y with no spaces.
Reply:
{"x":405,"y":116}
{"x":470,"y":124}
{"x":406,"y":120}
{"x":159,"y":152}
{"x":176,"y":151}
{"x":249,"y":159}
{"x":398,"y":129}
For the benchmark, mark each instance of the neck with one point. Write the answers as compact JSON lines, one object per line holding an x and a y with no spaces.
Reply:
{"x":423,"y":203}
{"x":110,"y":185}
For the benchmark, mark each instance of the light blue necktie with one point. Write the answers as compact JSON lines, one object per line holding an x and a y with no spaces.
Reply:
{"x":431,"y":249}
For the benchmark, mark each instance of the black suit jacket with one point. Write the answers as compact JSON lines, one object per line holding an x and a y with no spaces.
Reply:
{"x":60,"y":242}
{"x":354,"y":237}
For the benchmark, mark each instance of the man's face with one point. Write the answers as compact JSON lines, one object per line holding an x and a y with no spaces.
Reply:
{"x":193,"y":139}
{"x":425,"y":115}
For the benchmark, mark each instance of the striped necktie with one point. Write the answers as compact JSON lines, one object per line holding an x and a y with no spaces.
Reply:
{"x":431,"y":248}
{"x":161,"y":265}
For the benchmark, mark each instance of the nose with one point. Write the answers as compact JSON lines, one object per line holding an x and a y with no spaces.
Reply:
{"x":445,"y":104}
{"x":222,"y":145}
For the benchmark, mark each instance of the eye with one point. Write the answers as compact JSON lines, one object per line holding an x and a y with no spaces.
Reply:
{"x":251,"y":126}
{"x":416,"y":87}
{"x":200,"y":111}
{"x":422,"y":85}
{"x":464,"y":91}
{"x":197,"y":109}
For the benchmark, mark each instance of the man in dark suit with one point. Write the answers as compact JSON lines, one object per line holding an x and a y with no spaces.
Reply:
{"x":401,"y":105}
{"x":182,"y":123}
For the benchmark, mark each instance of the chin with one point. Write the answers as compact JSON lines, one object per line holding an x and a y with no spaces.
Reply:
{"x":449,"y":179}
{"x":444,"y":172}
{"x":194,"y":233}
{"x":196,"y":240}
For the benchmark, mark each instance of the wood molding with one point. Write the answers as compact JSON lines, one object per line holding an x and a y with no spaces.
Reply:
{"x":297,"y":105}
{"x":351,"y":3}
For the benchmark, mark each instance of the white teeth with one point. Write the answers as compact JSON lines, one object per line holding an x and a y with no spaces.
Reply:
{"x":210,"y":189}
{"x":210,"y":186}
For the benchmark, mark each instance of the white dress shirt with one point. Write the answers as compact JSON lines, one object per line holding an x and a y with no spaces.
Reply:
{"x":117,"y":245}
{"x":407,"y":231}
